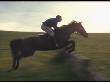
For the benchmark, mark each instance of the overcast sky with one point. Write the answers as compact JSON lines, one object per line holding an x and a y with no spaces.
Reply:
{"x":29,"y":15}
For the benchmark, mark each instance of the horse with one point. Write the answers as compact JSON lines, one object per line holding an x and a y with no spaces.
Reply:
{"x":26,"y":47}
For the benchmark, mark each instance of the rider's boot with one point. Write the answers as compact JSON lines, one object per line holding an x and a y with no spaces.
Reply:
{"x":56,"y":43}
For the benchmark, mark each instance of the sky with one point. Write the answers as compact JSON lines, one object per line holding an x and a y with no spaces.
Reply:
{"x":27,"y":16}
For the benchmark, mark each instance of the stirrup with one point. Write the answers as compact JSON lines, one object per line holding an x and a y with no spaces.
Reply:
{"x":57,"y":45}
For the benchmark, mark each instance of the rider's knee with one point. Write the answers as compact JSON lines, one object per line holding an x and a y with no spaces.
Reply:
{"x":52,"y":34}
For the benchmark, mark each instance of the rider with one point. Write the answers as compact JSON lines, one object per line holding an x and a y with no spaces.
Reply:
{"x":48,"y":24}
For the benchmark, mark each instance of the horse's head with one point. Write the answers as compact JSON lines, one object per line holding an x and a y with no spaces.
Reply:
{"x":77,"y":27}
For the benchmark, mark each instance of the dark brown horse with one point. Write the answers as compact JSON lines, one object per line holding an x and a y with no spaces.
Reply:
{"x":26,"y":47}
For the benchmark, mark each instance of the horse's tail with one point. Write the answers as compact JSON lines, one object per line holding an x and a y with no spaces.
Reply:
{"x":15,"y":47}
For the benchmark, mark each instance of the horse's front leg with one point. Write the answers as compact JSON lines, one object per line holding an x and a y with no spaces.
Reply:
{"x":71,"y":46}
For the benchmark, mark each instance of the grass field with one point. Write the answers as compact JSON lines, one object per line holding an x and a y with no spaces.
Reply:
{"x":42,"y":66}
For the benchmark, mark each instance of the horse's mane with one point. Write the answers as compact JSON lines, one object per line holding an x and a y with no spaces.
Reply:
{"x":72,"y":22}
{"x":69,"y":24}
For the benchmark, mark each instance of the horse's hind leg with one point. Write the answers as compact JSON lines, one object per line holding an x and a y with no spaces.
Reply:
{"x":13,"y":64}
{"x":14,"y":45}
{"x":17,"y":64}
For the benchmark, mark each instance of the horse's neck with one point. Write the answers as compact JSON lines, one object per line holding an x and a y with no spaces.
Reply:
{"x":63,"y":33}
{"x":66,"y":30}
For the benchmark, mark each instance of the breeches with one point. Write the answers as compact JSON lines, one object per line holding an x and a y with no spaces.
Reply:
{"x":48,"y":30}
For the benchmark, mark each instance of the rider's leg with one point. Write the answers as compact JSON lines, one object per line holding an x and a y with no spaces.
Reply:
{"x":51,"y":33}
{"x":55,"y":41}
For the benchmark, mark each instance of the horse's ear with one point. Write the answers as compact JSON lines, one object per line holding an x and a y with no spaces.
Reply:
{"x":74,"y":21}
{"x":80,"y":22}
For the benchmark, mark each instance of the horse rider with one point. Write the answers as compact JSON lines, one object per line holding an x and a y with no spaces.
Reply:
{"x":48,"y":24}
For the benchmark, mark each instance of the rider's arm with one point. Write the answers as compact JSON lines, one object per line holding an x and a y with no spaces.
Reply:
{"x":55,"y":26}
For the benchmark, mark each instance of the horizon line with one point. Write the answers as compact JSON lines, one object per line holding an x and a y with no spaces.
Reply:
{"x":42,"y":31}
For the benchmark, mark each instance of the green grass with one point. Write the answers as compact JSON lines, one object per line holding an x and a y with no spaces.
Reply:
{"x":97,"y":48}
{"x":43,"y":66}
